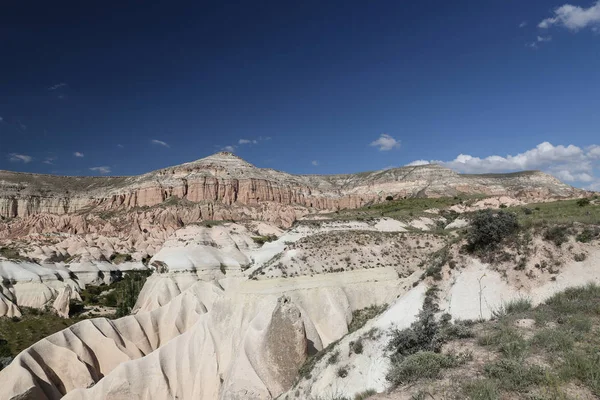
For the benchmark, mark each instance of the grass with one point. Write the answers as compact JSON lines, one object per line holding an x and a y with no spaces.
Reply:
{"x":562,"y":212}
{"x":362,"y":316}
{"x":13,"y":254}
{"x":32,"y":326}
{"x":403,"y":209}
{"x":516,"y":306}
{"x":423,"y":365}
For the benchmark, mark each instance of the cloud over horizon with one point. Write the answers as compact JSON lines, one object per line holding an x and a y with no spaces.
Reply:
{"x":569,"y":163}
{"x":14,"y":157}
{"x":385,"y":143}
{"x":103,"y":170}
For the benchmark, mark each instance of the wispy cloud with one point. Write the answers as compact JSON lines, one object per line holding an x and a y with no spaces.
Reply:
{"x":120,"y":146}
{"x":230,"y":149}
{"x":101,"y":170}
{"x":248,"y":141}
{"x":14,"y":157}
{"x":574,"y":18}
{"x":78,"y":154}
{"x":314,"y":162}
{"x":160,"y":143}
{"x":21,"y":125}
{"x":523,"y":24}
{"x":49,"y":160}
{"x":57,"y":86}
{"x":385,"y":143}
{"x":569,"y":163}
{"x":538,"y":41}
{"x":1,"y":119}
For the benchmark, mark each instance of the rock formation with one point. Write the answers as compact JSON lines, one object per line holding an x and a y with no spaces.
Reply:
{"x":224,"y":186}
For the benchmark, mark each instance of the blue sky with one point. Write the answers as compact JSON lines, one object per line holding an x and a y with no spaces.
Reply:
{"x":306,"y":87}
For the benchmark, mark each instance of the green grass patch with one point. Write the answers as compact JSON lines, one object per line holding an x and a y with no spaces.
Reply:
{"x":362,"y":316}
{"x":422,"y":365}
{"x":32,"y":326}
{"x":516,"y":376}
{"x":481,"y":389}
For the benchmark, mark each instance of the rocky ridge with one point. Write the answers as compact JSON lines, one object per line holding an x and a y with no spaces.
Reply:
{"x":223,"y":186}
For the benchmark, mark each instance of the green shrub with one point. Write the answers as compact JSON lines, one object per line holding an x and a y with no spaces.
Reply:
{"x":264,"y":239}
{"x":362,"y":316}
{"x":583,"y":202}
{"x":557,"y":235}
{"x":587,"y":235}
{"x":342,"y":372}
{"x":365,"y":395}
{"x":488,"y":229}
{"x":357,"y":346}
{"x":118,"y":258}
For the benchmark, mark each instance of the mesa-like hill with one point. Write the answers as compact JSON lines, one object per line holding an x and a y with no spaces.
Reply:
{"x":223,"y":186}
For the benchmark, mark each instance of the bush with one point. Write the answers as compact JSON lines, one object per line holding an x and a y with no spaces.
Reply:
{"x":365,"y":395}
{"x":264,"y":239}
{"x":342,"y":372}
{"x":118,"y":258}
{"x":583,"y":202}
{"x":587,"y":235}
{"x":389,"y":198}
{"x":557,"y":234}
{"x":489,"y":228}
{"x":360,"y":317}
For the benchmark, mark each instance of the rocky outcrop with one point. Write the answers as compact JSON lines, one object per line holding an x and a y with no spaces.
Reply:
{"x":224,"y":186}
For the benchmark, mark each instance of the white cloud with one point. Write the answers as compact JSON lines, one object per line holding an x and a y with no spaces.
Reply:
{"x":160,"y":143}
{"x":385,"y":143}
{"x":1,"y":119}
{"x":57,"y":86}
{"x":230,"y":149}
{"x":78,"y":154}
{"x":574,"y":18}
{"x":49,"y":160}
{"x":120,"y":146}
{"x":251,"y":141}
{"x":101,"y":170}
{"x":544,"y":39}
{"x":14,"y":157}
{"x":523,"y":24}
{"x":417,"y":162}
{"x":570,"y":163}
{"x":314,"y":162}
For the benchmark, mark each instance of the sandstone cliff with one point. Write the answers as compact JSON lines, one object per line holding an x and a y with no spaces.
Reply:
{"x":224,"y":186}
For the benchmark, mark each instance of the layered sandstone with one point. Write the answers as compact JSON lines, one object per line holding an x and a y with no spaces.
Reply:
{"x":224,"y":186}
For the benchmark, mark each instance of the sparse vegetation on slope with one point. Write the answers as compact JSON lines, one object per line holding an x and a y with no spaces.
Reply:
{"x":551,"y":351}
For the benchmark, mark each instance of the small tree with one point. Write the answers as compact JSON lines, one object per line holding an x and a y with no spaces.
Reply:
{"x":489,"y":228}
{"x":583,"y":202}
